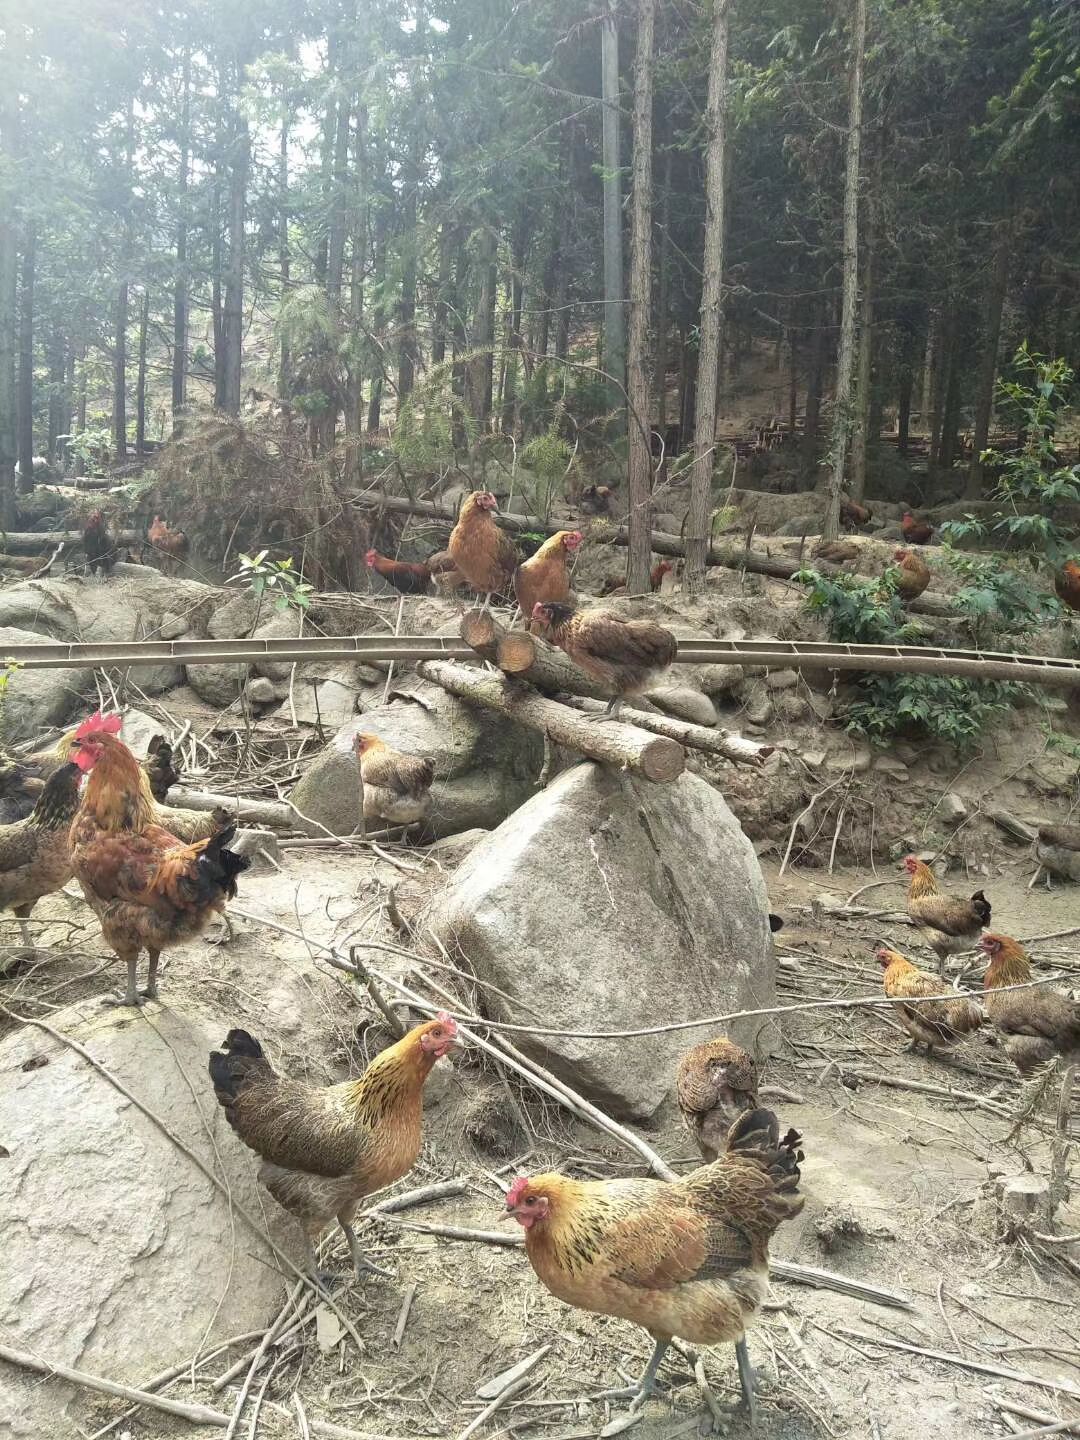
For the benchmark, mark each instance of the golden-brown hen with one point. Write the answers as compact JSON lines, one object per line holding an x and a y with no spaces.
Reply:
{"x":148,"y":890}
{"x":935,"y":1025}
{"x":545,"y":577}
{"x":1034,"y":1025}
{"x":1067,"y":584}
{"x":948,"y":924}
{"x":625,"y":656}
{"x":396,"y":786}
{"x":324,"y":1149}
{"x":914,"y":575}
{"x":35,"y":853}
{"x":482,"y":552}
{"x":687,"y":1258}
{"x":715,"y":1083}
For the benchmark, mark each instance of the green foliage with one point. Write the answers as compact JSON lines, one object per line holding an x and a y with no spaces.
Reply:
{"x":274,"y":578}
{"x":860,"y":611}
{"x":423,"y":438}
{"x":995,"y":597}
{"x":92,"y":446}
{"x":1032,"y":484}
{"x":546,"y":459}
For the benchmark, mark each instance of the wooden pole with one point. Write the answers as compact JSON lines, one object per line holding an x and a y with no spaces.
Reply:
{"x":612,"y":743}
{"x":699,"y":737}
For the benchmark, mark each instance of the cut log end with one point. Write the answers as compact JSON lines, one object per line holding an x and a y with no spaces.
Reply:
{"x":663,"y":760}
{"x":516,"y":652}
{"x":478,"y":629}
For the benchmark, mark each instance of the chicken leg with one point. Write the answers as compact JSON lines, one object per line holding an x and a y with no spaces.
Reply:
{"x":639,"y":1393}
{"x":151,"y":991}
{"x":611,"y":712}
{"x":363,"y":1265}
{"x":746,"y":1379}
{"x":131,"y":995}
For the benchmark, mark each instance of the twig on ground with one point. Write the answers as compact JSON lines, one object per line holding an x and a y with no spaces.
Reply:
{"x":1018,"y":1377}
{"x":500,"y":1400}
{"x":403,"y":1315}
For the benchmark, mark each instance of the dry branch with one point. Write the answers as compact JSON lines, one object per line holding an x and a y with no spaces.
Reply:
{"x":272,"y":814}
{"x":726,"y":743}
{"x":613,"y":743}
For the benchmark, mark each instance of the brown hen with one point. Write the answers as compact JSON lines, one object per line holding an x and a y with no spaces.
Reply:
{"x":914,"y":576}
{"x":1034,"y":1025}
{"x":482,"y":552}
{"x":625,"y":656}
{"x":933,"y":1025}
{"x":545,"y":577}
{"x":715,"y":1083}
{"x":396,"y":785}
{"x":948,"y":924}
{"x":35,"y":853}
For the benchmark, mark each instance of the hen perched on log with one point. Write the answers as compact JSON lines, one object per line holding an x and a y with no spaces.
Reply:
{"x":482,"y":552}
{"x":948,"y":924}
{"x":933,"y":1025}
{"x":715,"y":1083}
{"x":625,"y":656}
{"x":1034,"y":1025}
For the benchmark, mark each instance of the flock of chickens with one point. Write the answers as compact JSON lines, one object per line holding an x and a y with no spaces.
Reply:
{"x":686,"y":1258}
{"x":102,"y":550}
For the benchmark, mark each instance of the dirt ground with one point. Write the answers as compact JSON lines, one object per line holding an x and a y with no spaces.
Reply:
{"x":899,"y":1185}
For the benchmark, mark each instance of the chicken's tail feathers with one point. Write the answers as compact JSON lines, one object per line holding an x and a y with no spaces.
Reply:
{"x":219,"y":865}
{"x":755,"y":1136}
{"x":981,"y":906}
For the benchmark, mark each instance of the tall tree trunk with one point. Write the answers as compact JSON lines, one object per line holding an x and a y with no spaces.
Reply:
{"x":180,"y":288}
{"x":844,"y":416}
{"x":984,"y":397}
{"x":233,"y":315}
{"x":793,"y":367}
{"x":26,"y":362}
{"x":9,"y":289}
{"x":614,"y":294}
{"x":217,"y":263}
{"x":815,"y":379}
{"x":481,"y":368}
{"x":119,"y":415}
{"x":458,"y":369}
{"x":80,"y":404}
{"x":950,"y":418}
{"x":712,"y":313}
{"x":285,"y":377}
{"x":663,"y":302}
{"x":354,"y":391}
{"x":140,"y":384}
{"x":57,"y":372}
{"x":639,"y":511}
{"x":447,"y":249}
{"x":515,"y":345}
{"x":378,"y":317}
{"x":943,"y":357}
{"x":864,"y":397}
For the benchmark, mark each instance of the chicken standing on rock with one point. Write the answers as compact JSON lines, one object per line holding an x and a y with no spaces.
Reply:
{"x":688,"y":1257}
{"x":324,"y":1149}
{"x":626,"y":656}
{"x":483,"y":553}
{"x":35,"y":853}
{"x":913,"y":577}
{"x":715,"y":1083}
{"x":148,"y":890}
{"x":936,"y":1025}
{"x":99,"y":546}
{"x":946,"y":923}
{"x":915,"y":532}
{"x":1034,"y":1025}
{"x":396,"y":786}
{"x":406,"y":577}
{"x":545,"y":578}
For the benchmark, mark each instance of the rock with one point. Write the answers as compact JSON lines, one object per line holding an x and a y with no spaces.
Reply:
{"x":261,"y":691}
{"x":218,"y":685}
{"x":138,"y":729}
{"x":759,"y":705}
{"x":157,"y":679}
{"x":792,"y":708}
{"x":327,"y":693}
{"x":583,"y":905}
{"x":951,"y":808}
{"x":233,"y":619}
{"x":82,"y":1283}
{"x":821,"y":705}
{"x":128,"y":606}
{"x":282,"y":625}
{"x":814,"y":758}
{"x":172,"y":627}
{"x":258,"y":844}
{"x":451,"y":850}
{"x":782,"y":679}
{"x":477,"y":801}
{"x":889,"y":765}
{"x":858,"y":758}
{"x":717,"y":679}
{"x":35,"y":699}
{"x":684,"y":703}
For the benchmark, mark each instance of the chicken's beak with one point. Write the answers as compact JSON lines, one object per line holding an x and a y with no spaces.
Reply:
{"x":507,"y":1215}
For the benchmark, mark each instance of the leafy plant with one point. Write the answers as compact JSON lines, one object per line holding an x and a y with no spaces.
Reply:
{"x":860,"y":611}
{"x":274,"y":578}
{"x":995,"y":598}
{"x":92,"y":446}
{"x":547,"y":458}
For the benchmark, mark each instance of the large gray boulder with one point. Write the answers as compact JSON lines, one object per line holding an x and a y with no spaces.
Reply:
{"x":35,"y":699}
{"x":610,"y":903}
{"x":118,"y":1252}
{"x":130,"y":605}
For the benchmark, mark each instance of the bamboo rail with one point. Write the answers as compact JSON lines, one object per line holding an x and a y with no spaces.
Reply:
{"x":1055,"y":672}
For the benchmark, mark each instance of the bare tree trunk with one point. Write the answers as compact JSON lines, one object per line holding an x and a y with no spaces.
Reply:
{"x":354,"y":400}
{"x":459,"y":374}
{"x":614,"y":293}
{"x":119,"y":415}
{"x":515,"y":345}
{"x":26,"y":362}
{"x":284,"y":258}
{"x":843,"y":409}
{"x":984,"y":403}
{"x":864,"y":398}
{"x":180,"y":288}
{"x":57,"y":371}
{"x":447,"y":247}
{"x":9,"y":289}
{"x":815,"y":380}
{"x":80,"y":405}
{"x":663,"y":305}
{"x":793,"y":366}
{"x":140,"y":382}
{"x":480,"y":366}
{"x":712,"y":312}
{"x":233,"y":314}
{"x":378,"y":317}
{"x":217,"y":261}
{"x":639,"y":512}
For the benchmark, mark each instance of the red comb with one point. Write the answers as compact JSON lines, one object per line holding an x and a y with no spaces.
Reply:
{"x":99,"y":724}
{"x":445,"y":1018}
{"x":513,"y":1195}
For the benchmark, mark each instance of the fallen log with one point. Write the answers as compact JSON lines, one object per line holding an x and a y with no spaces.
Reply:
{"x":731,"y":557}
{"x":520,"y":654}
{"x":699,"y":737}
{"x":274,"y":814}
{"x":656,"y":757}
{"x":33,"y":542}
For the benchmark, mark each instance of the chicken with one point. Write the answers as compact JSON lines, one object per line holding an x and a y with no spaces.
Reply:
{"x":657,"y":573}
{"x":480,"y":550}
{"x":915,"y":532}
{"x":324,"y":1149}
{"x":545,"y":578}
{"x":687,"y":1257}
{"x":160,"y":770}
{"x":1067,"y":584}
{"x":1057,"y":849}
{"x":623,"y":655}
{"x":946,"y":923}
{"x":406,"y":578}
{"x":98,"y":545}
{"x":1034,"y":1025}
{"x":445,"y":575}
{"x":596,"y":499}
{"x":148,"y":890}
{"x":853,"y":514}
{"x":914,"y":576}
{"x":22,"y":780}
{"x":715,"y":1083}
{"x":776,"y":922}
{"x":35,"y":853}
{"x":171,"y":545}
{"x":613,"y":585}
{"x":396,"y":786}
{"x":934,"y":1025}
{"x":836,"y":552}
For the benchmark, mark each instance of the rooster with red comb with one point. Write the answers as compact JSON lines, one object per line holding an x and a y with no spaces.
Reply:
{"x":148,"y":889}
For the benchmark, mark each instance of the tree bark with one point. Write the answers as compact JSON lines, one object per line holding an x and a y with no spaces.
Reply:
{"x":80,"y":406}
{"x":354,"y":400}
{"x":26,"y":362}
{"x":285,"y":389}
{"x":984,"y":401}
{"x":624,"y":746}
{"x":663,"y":303}
{"x":515,"y":345}
{"x":815,"y":380}
{"x":119,"y":416}
{"x":140,"y":382}
{"x":9,"y":289}
{"x":480,"y":366}
{"x":378,"y":317}
{"x":217,"y":261}
{"x":57,"y":378}
{"x":701,"y":473}
{"x":233,"y":310}
{"x":180,"y":287}
{"x":447,"y":248}
{"x":864,"y":398}
{"x":614,"y":318}
{"x":639,"y":509}
{"x":844,"y":415}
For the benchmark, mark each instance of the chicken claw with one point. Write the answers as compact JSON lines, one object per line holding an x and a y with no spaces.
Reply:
{"x":363,"y":1265}
{"x":639,"y":1393}
{"x":747,"y":1380}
